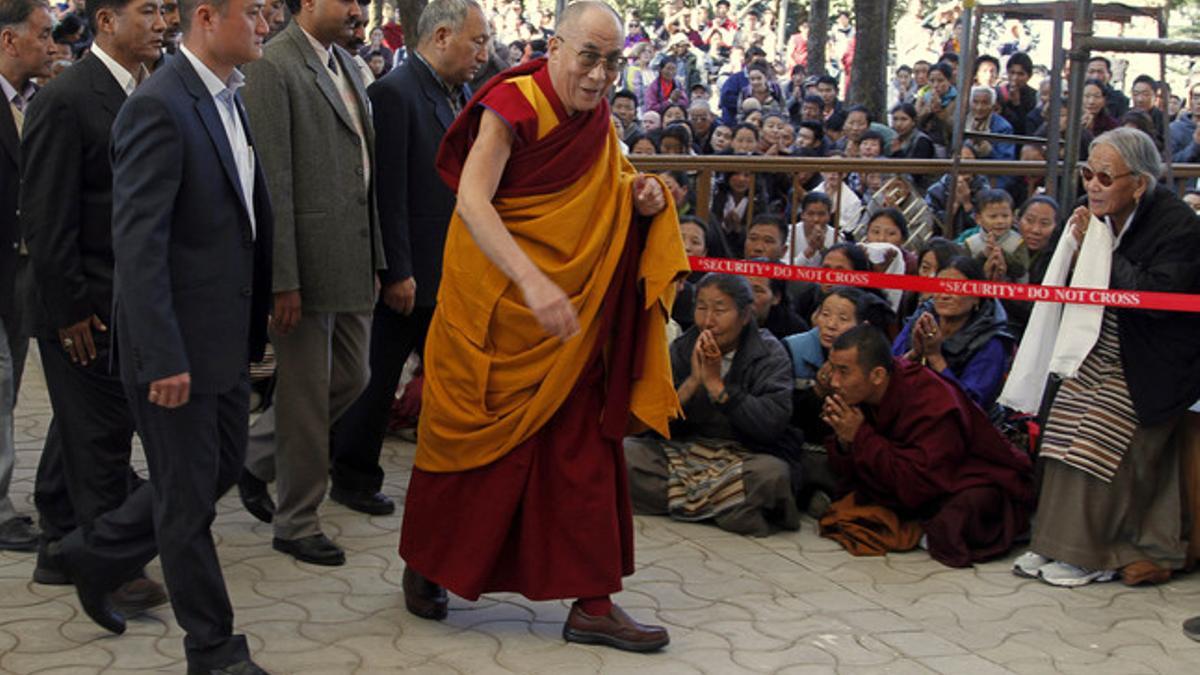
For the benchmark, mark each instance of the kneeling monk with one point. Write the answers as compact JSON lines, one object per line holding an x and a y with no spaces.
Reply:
{"x":548,"y":344}
{"x":918,"y":457}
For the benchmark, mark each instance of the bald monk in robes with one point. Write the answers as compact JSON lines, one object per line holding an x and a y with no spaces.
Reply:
{"x":547,"y":347}
{"x":910,"y":446}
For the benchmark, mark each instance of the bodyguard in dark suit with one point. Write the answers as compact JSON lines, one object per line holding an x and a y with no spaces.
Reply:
{"x":192,"y":238}
{"x":66,"y":200}
{"x":413,"y":106}
{"x":26,"y":52}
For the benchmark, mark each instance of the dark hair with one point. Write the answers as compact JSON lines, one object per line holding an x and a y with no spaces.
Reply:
{"x":14,"y":12}
{"x":736,"y":287}
{"x":868,"y":307}
{"x":943,"y":251}
{"x":1021,"y":59}
{"x":1146,"y":79}
{"x":921,"y":62}
{"x":1104,"y":60}
{"x":873,"y":348}
{"x":894,"y":215}
{"x":872,"y":135}
{"x":948,"y":57}
{"x":69,"y":26}
{"x":815,"y":127}
{"x":836,"y":121}
{"x":744,"y":125}
{"x":1096,"y":83}
{"x":778,"y":286}
{"x":904,"y":69}
{"x":754,"y":51}
{"x":625,"y":93}
{"x":538,"y":46}
{"x":1140,"y":121}
{"x":944,"y":69}
{"x":858,"y":258}
{"x":969,"y":267}
{"x":680,"y":131}
{"x":816,"y":198}
{"x":828,"y":79}
{"x":674,"y":105}
{"x":188,"y":7}
{"x":993,"y":196}
{"x":772,"y":219}
{"x":639,"y":136}
{"x":798,"y":68}
{"x":987,"y":58}
{"x":762,"y":68}
{"x":906,"y":108}
{"x":815,"y":100}
{"x":858,"y":109}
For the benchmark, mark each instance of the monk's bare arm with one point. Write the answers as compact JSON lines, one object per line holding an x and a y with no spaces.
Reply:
{"x":476,"y":188}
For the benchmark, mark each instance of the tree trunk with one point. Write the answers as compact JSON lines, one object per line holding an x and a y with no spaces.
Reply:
{"x":376,"y":13}
{"x":818,"y":35}
{"x":868,"y":76}
{"x":409,"y":11}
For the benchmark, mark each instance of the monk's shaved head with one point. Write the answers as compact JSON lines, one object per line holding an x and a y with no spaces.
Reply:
{"x":578,"y":12}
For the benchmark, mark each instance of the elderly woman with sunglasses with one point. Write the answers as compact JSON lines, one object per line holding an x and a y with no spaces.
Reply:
{"x":1110,"y":503}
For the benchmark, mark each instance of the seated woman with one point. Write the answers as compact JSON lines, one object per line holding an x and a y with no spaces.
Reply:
{"x":1038,"y":224}
{"x":889,"y":226}
{"x":736,"y":200}
{"x":1111,"y":494}
{"x":733,"y":458}
{"x":965,"y":339}
{"x":771,"y":311}
{"x":966,"y":189}
{"x":935,"y":255}
{"x":643,"y":143}
{"x":695,"y":242}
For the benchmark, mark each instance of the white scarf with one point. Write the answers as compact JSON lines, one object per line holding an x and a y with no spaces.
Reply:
{"x":1059,"y":338}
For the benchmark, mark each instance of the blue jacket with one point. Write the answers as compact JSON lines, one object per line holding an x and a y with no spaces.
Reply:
{"x":807,"y":355}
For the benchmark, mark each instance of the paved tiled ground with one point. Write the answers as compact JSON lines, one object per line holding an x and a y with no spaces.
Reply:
{"x":790,"y":603}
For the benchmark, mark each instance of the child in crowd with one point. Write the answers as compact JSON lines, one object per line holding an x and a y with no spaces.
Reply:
{"x":997,"y":245}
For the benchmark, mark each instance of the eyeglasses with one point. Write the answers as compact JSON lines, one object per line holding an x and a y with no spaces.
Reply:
{"x":614,"y":64}
{"x":1106,"y":179}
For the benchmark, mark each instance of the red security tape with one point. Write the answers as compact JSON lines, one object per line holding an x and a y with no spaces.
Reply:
{"x":1175,"y":302}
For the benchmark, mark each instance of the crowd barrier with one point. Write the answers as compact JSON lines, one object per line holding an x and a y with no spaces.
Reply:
{"x":1174,"y":302}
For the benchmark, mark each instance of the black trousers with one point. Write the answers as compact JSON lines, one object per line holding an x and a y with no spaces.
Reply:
{"x":84,"y":469}
{"x":195,"y":453}
{"x":356,"y":439}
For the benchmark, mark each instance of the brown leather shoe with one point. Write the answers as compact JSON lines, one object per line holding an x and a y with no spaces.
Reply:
{"x":1144,"y":572}
{"x":615,"y":630}
{"x":137,"y":596}
{"x":423,"y":597}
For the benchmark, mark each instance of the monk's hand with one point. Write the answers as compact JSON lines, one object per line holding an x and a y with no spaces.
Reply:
{"x":648,"y":196}
{"x":550,"y":306}
{"x":1079,"y":222}
{"x":286,"y":313}
{"x":400,"y":296}
{"x":844,"y":419}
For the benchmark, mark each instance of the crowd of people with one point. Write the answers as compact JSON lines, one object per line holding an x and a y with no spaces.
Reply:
{"x":408,"y":201}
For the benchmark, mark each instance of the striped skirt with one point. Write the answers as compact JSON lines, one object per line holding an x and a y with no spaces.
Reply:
{"x":1092,"y":420}
{"x":704,"y":478}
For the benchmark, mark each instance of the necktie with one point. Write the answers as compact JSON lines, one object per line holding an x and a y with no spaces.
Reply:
{"x":18,"y":115}
{"x":333,"y":67}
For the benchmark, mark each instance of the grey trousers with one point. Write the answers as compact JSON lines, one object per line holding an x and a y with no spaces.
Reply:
{"x":769,"y":505}
{"x":321,"y":369}
{"x":12,"y":364}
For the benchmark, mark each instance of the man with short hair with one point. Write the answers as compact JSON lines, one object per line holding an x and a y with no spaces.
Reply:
{"x":1017,"y":98}
{"x":624,"y":107}
{"x":26,"y":52}
{"x":412,"y":107}
{"x":309,"y":110}
{"x":84,"y":470}
{"x":1142,"y":97}
{"x":827,"y":89}
{"x":192,"y":230}
{"x":1100,"y":68}
{"x":700,"y":116}
{"x":1185,"y":130}
{"x":910,"y":442}
{"x":561,"y":262}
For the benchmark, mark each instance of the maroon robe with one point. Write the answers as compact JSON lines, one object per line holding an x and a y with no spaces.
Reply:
{"x":929,"y":453}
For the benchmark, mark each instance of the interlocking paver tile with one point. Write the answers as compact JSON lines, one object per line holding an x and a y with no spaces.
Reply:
{"x":788,"y":603}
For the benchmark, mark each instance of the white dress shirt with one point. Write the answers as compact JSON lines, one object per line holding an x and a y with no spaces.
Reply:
{"x":224,"y":96}
{"x":126,"y":80}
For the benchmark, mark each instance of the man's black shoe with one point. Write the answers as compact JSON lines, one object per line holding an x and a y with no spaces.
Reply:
{"x":92,"y":597}
{"x":47,"y":570}
{"x":370,"y":503}
{"x":18,"y":534}
{"x":316,"y":549}
{"x":255,"y":497}
{"x":246,"y":667}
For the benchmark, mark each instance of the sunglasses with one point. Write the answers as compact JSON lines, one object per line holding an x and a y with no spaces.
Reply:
{"x":1106,"y":179}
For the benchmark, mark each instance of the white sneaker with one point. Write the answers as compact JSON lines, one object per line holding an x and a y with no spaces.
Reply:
{"x":1069,"y":576}
{"x":1028,"y":563}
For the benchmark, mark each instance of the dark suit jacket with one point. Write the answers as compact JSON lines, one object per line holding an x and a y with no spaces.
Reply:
{"x":66,"y":200}
{"x":411,"y":115}
{"x":10,"y":189}
{"x":193,"y":283}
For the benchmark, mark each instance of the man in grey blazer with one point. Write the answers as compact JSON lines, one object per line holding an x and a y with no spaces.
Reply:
{"x":309,"y":112}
